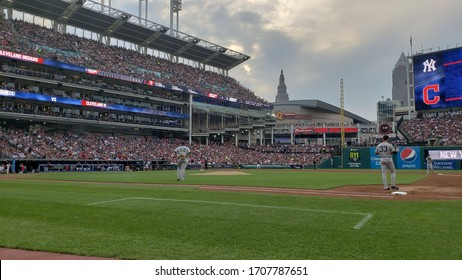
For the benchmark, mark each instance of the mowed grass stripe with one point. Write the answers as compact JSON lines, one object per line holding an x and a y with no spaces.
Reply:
{"x":139,"y":231}
{"x":367,"y":216}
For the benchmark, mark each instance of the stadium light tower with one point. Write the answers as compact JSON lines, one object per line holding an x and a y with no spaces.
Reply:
{"x":103,"y":5}
{"x":342,"y":120}
{"x":342,"y":115}
{"x":175,"y":7}
{"x":140,"y":15}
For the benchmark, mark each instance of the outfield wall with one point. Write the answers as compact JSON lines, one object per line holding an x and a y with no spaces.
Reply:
{"x":408,"y":157}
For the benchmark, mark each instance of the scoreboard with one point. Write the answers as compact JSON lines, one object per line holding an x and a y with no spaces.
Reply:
{"x":438,"y":79}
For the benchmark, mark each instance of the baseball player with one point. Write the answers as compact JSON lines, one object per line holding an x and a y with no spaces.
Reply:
{"x":429,"y":164}
{"x":385,"y":150}
{"x":182,"y":158}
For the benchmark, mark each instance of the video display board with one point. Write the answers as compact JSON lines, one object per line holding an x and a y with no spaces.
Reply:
{"x":438,"y":79}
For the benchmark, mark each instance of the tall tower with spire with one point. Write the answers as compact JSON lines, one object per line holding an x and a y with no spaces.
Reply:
{"x":400,"y":81}
{"x":282,"y":95}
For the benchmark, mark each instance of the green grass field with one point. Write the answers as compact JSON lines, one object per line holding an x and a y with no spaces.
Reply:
{"x":123,"y":215}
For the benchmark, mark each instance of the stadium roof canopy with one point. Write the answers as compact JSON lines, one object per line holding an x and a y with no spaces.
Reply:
{"x":228,"y":110}
{"x":107,"y":21}
{"x":321,"y":106}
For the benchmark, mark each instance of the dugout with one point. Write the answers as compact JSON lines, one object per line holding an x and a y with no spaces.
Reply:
{"x":71,"y":165}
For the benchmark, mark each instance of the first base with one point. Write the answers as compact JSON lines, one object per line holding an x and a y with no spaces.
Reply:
{"x":399,"y":193}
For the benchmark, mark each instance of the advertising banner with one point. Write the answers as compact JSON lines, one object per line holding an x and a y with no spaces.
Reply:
{"x":409,"y":158}
{"x":356,"y":158}
{"x":375,"y":159}
{"x":87,"y":103}
{"x":412,"y":157}
{"x":446,"y":154}
{"x":444,"y":165}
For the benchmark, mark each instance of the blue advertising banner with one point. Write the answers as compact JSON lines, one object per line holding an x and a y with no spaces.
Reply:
{"x":444,"y":165}
{"x":409,"y":158}
{"x":61,"y":65}
{"x":375,"y":159}
{"x":87,"y":103}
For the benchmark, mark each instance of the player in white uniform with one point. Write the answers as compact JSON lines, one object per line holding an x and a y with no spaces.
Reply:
{"x":386,"y":150}
{"x":429,"y":164}
{"x":182,"y":158}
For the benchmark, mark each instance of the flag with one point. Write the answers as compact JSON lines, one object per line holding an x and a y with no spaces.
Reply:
{"x":410,"y":41}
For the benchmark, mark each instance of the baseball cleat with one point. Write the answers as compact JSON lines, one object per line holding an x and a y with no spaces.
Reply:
{"x":394,"y":188}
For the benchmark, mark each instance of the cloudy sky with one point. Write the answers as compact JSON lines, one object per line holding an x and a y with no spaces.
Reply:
{"x":317,"y":42}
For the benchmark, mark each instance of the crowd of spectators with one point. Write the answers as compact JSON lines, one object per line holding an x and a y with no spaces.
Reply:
{"x":7,"y":37}
{"x":23,"y":37}
{"x":37,"y":144}
{"x":88,"y":81}
{"x":445,"y":130}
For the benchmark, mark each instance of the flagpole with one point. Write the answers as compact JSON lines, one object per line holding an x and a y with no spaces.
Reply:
{"x":410,"y":41}
{"x":409,"y":82}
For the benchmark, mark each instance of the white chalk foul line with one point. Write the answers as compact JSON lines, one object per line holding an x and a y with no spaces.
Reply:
{"x":367,"y":216}
{"x":363,"y":221}
{"x":109,"y":201}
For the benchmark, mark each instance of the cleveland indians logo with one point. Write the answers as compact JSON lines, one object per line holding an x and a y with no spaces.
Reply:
{"x":385,"y":128}
{"x":408,"y":155}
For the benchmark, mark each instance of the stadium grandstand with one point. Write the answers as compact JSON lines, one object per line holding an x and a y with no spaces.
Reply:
{"x":73,"y":103}
{"x":123,"y":76}
{"x":438,"y":130}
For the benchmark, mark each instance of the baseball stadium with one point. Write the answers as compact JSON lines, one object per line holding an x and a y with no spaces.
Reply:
{"x":88,"y":129}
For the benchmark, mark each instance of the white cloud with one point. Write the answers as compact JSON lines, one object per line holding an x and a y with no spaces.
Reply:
{"x":247,"y":68}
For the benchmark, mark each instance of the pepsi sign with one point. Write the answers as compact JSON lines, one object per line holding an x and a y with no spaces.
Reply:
{"x":409,"y":158}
